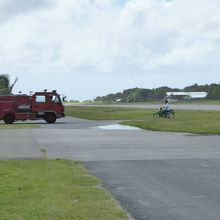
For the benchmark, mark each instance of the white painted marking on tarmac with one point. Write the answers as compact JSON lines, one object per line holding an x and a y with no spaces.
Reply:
{"x":118,"y":127}
{"x":205,"y":165}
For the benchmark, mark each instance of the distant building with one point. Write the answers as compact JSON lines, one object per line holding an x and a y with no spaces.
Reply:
{"x":185,"y":95}
{"x":118,"y":100}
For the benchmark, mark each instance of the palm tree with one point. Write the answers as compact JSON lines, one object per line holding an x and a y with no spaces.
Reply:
{"x":5,"y":87}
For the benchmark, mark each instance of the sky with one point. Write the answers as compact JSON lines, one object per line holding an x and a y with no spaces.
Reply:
{"x":89,"y":48}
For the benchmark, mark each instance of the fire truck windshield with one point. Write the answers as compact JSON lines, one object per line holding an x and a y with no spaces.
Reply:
{"x":55,"y":99}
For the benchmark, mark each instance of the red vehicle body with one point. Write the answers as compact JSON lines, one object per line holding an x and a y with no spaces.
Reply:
{"x":41,"y":105}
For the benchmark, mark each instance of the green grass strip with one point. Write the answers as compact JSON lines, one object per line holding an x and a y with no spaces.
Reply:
{"x":17,"y":126}
{"x":193,"y":121}
{"x":53,"y":189}
{"x":107,"y":113}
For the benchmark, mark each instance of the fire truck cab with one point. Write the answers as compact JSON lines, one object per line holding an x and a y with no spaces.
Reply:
{"x":41,"y":105}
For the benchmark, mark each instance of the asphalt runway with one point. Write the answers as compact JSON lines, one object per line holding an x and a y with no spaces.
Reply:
{"x":154,"y":175}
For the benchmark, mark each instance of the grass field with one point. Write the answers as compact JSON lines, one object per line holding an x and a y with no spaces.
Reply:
{"x":199,"y":122}
{"x":55,"y":190}
{"x":107,"y":113}
{"x":17,"y":126}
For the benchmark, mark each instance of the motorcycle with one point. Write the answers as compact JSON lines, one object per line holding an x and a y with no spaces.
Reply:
{"x":164,"y":113}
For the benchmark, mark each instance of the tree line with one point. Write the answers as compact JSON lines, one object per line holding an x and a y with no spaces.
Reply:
{"x":144,"y":95}
{"x":134,"y":94}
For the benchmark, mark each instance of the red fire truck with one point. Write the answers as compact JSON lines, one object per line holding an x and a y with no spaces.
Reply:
{"x":41,"y":105}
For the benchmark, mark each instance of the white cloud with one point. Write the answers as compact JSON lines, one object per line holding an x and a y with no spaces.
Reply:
{"x":11,"y":8}
{"x":192,"y":55}
{"x":108,"y":37}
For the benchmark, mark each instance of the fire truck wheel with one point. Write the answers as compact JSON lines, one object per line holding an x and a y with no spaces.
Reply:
{"x":9,"y":118}
{"x":50,"y":118}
